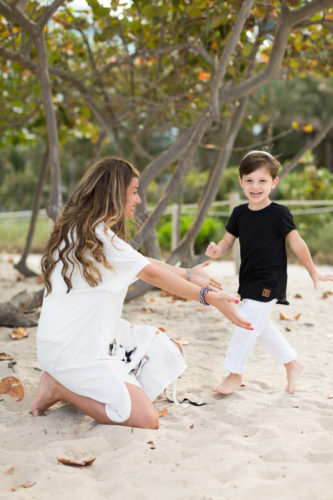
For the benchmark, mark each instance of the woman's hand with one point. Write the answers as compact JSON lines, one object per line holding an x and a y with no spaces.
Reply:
{"x":200,"y":277}
{"x":213,"y":251}
{"x":225,"y":304}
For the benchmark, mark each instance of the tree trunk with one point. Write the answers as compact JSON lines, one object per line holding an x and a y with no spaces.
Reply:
{"x":55,"y":201}
{"x":22,"y":264}
{"x":183,"y":251}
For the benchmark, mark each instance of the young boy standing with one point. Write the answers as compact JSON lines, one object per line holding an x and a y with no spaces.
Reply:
{"x":262,"y":227}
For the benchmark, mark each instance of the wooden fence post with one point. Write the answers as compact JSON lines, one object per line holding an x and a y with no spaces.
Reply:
{"x":174,"y":226}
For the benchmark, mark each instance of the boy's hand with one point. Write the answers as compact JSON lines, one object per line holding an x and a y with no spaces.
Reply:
{"x":200,"y":277}
{"x":213,"y":251}
{"x":316,"y":277}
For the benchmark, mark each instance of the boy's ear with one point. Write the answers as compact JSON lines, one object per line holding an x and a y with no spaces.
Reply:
{"x":240,"y":180}
{"x":275,"y":182}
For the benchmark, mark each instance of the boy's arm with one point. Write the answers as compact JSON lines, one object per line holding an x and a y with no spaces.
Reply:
{"x":301,"y":250}
{"x":214,"y":251}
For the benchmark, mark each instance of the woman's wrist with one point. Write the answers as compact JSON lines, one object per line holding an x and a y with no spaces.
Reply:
{"x":204,"y":291}
{"x":210,"y":298}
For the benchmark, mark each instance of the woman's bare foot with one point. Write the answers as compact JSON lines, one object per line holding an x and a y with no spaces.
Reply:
{"x":179,"y":346}
{"x":294,"y":369}
{"x":230,"y":384}
{"x":46,"y":395}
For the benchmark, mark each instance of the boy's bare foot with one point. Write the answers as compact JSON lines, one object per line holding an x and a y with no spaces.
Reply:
{"x":46,"y":395}
{"x":230,"y":384}
{"x":294,"y":369}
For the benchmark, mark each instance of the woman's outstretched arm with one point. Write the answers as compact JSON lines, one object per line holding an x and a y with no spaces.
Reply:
{"x":196,"y":274}
{"x":171,"y":282}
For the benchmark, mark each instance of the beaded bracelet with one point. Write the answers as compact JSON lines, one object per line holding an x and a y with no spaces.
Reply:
{"x":188,"y":274}
{"x":203,"y":292}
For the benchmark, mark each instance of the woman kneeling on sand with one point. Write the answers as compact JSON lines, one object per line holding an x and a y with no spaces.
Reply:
{"x":94,"y":359}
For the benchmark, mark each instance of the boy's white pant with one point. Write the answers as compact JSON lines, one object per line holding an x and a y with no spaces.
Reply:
{"x":265,"y":332}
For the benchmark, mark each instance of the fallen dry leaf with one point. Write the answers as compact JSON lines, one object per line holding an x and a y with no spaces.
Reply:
{"x":204,"y":308}
{"x":152,"y":446}
{"x":72,"y":461}
{"x":39,"y":279}
{"x":10,"y":470}
{"x":298,"y":296}
{"x":5,"y":357}
{"x":144,"y":309}
{"x":10,"y":260}
{"x":330,"y":396}
{"x":161,"y":328}
{"x":287,"y":318}
{"x":326,"y":294}
{"x":181,"y":341}
{"x":287,"y":328}
{"x":217,"y":320}
{"x":284,"y":317}
{"x":162,"y":413}
{"x":12,"y":386}
{"x":163,"y":293}
{"x":18,"y":333}
{"x":150,"y":299}
{"x":27,"y":484}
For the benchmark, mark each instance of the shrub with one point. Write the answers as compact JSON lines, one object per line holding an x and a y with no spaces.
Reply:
{"x":212,"y":229}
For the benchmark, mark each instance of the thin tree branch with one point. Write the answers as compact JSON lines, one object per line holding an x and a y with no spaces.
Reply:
{"x":287,"y":20}
{"x":20,"y":123}
{"x":225,"y":57}
{"x":47,"y":14}
{"x":16,"y":16}
{"x":307,"y":147}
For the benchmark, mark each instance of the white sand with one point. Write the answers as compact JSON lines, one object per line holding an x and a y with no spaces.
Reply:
{"x":259,"y":443}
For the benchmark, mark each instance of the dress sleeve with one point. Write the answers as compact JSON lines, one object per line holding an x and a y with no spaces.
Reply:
{"x":232,"y":226}
{"x":287,"y":223}
{"x":125,"y":261}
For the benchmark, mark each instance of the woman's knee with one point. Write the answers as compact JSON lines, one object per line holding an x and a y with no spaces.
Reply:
{"x":143,"y":413}
{"x":153,"y":419}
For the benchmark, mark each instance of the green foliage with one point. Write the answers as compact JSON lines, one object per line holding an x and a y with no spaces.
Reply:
{"x":145,"y":75}
{"x":211,"y":229}
{"x":19,"y":175}
{"x":319,"y":238}
{"x":229,"y":183}
{"x":310,"y":183}
{"x":195,"y":182}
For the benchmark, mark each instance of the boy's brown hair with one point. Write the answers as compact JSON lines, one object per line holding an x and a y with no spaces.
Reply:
{"x":257,"y":159}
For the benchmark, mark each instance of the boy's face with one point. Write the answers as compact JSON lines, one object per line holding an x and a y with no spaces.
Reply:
{"x":257,"y":187}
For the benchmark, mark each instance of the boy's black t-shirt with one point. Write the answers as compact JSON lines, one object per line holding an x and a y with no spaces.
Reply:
{"x":262,"y":233}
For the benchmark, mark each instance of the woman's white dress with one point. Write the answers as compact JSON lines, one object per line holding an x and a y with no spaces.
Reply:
{"x":76,"y":329}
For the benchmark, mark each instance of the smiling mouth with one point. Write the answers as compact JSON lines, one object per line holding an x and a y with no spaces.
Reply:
{"x":255,"y":195}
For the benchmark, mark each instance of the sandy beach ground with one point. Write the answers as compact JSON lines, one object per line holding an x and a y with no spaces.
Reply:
{"x":260,"y":443}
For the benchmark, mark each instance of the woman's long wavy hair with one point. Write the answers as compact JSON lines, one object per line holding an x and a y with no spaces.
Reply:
{"x":99,"y":196}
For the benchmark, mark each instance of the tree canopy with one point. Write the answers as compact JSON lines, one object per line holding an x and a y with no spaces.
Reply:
{"x":158,"y":82}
